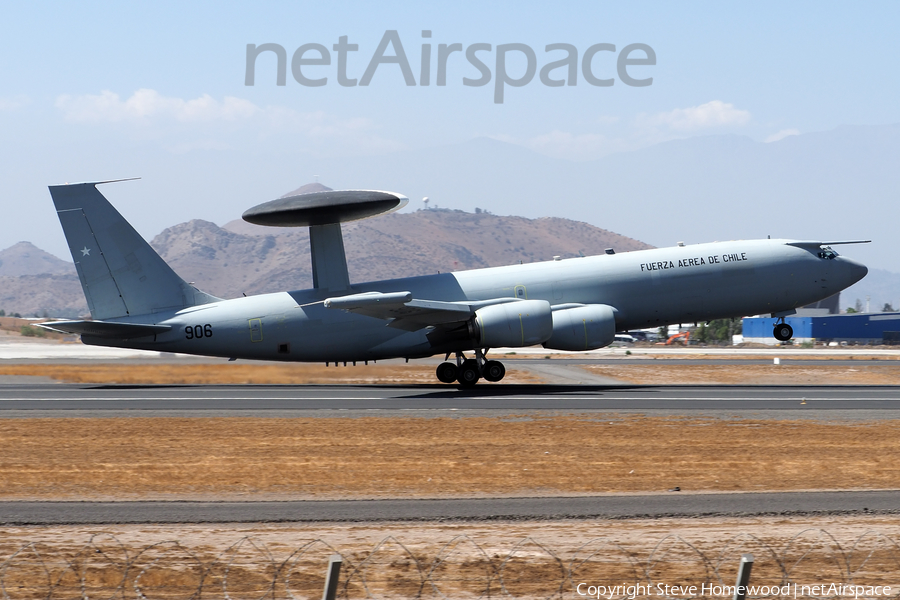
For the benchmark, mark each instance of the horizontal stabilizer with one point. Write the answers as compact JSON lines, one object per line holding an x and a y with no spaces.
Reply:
{"x":104,"y":329}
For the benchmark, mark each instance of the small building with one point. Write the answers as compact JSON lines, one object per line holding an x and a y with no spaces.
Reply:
{"x":857,"y":328}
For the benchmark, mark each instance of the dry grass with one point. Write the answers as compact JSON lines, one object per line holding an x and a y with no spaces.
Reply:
{"x":427,"y":457}
{"x":825,"y":374}
{"x":231,"y":373}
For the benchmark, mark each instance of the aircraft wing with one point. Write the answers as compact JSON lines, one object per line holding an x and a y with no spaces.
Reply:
{"x":813,"y":244}
{"x":104,"y":329}
{"x":405,"y":312}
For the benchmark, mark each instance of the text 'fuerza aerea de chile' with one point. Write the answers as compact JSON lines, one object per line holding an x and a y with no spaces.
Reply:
{"x":560,"y":67}
{"x":694,"y":262}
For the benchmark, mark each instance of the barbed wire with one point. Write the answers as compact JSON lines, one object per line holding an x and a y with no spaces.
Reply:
{"x":105,"y":568}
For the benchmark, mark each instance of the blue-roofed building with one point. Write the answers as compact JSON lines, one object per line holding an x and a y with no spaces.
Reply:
{"x":859,"y":328}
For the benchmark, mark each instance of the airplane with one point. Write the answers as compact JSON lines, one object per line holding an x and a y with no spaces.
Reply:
{"x":575,"y":304}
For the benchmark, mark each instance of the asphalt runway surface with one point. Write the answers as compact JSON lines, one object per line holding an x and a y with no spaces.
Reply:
{"x":797,"y":362}
{"x":673,"y":504}
{"x":62,"y":400}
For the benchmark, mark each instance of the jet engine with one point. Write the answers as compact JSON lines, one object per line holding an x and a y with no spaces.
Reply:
{"x":585,"y":327}
{"x":513,"y":324}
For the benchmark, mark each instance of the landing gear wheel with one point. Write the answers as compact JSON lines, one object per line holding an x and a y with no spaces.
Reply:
{"x":447,"y":372}
{"x":493,"y":370}
{"x":468,"y":374}
{"x":783,"y":332}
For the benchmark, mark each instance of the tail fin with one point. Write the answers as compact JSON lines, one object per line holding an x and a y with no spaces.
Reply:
{"x":120,"y":273}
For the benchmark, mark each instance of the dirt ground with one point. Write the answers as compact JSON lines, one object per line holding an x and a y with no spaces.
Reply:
{"x":264,"y":458}
{"x":439,"y":560}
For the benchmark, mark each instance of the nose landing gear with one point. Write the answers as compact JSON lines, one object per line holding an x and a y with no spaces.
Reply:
{"x":467,"y":371}
{"x":783,"y":332}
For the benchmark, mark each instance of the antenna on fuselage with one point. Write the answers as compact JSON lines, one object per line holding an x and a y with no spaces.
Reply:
{"x":323,"y":213}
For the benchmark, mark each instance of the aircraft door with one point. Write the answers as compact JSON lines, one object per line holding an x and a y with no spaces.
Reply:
{"x":256,"y":330}
{"x":521,"y":293}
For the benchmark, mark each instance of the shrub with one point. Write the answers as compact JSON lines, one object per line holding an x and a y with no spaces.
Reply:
{"x":29,"y":331}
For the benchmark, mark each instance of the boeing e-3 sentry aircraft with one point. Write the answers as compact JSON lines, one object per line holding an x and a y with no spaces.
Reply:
{"x":137,"y":301}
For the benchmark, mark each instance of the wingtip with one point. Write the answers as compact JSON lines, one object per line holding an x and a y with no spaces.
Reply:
{"x":815,"y":244}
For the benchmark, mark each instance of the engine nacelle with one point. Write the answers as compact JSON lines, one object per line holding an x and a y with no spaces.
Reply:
{"x":513,"y":324}
{"x":583,"y":328}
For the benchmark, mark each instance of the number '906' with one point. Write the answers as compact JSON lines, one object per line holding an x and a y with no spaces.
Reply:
{"x":198,"y":331}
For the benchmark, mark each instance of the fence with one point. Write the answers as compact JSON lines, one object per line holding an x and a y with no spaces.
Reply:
{"x":105,"y":568}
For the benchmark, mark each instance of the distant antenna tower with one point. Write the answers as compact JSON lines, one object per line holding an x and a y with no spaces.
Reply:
{"x":317,"y":178}
{"x":425,"y":200}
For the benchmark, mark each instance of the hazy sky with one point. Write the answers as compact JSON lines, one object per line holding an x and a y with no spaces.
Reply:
{"x":98,"y":90}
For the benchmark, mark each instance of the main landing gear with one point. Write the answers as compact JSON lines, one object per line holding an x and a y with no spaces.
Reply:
{"x":467,"y":371}
{"x":783,"y":332}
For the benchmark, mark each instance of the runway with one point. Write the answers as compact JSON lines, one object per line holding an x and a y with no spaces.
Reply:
{"x":353,"y":401}
{"x":483,"y":509}
{"x":68,"y":400}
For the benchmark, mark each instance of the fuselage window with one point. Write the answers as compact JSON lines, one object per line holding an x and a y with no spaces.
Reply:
{"x":827,"y":253}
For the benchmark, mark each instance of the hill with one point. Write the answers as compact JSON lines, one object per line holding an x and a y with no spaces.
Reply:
{"x":25,"y":258}
{"x":36,"y":282}
{"x":242,"y":258}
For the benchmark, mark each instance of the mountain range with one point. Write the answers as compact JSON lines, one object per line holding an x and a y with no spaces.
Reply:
{"x":242,"y":258}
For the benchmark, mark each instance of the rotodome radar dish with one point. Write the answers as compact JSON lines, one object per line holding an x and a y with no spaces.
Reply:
{"x":324,"y":208}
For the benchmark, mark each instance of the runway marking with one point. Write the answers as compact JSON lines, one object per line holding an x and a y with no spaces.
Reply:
{"x":730,"y":399}
{"x":132,"y":398}
{"x":491,"y":398}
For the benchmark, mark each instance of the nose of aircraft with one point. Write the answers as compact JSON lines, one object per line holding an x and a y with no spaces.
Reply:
{"x":850,"y":271}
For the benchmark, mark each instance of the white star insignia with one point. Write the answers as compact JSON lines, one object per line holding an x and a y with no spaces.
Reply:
{"x":85,"y":251}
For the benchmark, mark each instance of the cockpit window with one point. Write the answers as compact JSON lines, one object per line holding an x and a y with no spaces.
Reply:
{"x":827,"y":253}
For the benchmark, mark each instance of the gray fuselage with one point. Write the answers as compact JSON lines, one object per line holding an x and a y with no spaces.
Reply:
{"x":646,"y":288}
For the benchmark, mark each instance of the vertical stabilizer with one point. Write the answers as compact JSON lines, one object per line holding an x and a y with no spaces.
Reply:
{"x":120,"y":273}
